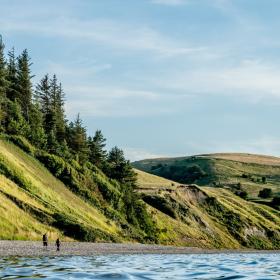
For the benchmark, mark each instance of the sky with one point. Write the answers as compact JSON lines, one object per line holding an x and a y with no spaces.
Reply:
{"x":160,"y":77}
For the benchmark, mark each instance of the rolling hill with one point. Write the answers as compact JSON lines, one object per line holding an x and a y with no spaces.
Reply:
{"x":41,"y":193}
{"x":247,"y":172}
{"x":208,"y":217}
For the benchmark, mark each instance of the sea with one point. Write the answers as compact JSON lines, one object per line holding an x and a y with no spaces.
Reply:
{"x":152,"y":266}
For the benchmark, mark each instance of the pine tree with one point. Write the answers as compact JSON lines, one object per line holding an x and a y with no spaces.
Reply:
{"x":119,"y":168}
{"x":16,"y":123}
{"x":43,"y":96}
{"x":97,"y":154}
{"x":3,"y":84}
{"x":77,"y":140}
{"x":12,"y":90}
{"x":24,"y":83}
{"x":58,"y":100}
{"x":37,"y":134}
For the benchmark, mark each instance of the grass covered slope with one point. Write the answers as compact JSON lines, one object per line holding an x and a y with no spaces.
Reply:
{"x":234,"y":171}
{"x":41,"y":202}
{"x":146,"y":181}
{"x":210,"y":217}
{"x":41,"y":193}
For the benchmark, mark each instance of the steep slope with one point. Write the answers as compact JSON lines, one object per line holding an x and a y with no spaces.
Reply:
{"x":29,"y":193}
{"x":210,"y":217}
{"x":146,"y":181}
{"x":248,"y":172}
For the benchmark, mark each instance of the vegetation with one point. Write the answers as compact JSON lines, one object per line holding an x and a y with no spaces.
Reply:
{"x":240,"y":173}
{"x":35,"y":121}
{"x":56,"y":178}
{"x":265,"y":193}
{"x":209,"y":217}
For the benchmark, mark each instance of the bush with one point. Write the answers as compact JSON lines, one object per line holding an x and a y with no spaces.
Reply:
{"x":265,"y":193}
{"x":276,"y":201}
{"x":242,"y":194}
{"x":22,"y":143}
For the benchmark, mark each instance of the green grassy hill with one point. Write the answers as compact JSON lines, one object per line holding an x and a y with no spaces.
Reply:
{"x":208,"y":217}
{"x":41,"y":193}
{"x":247,"y":172}
{"x":33,"y":201}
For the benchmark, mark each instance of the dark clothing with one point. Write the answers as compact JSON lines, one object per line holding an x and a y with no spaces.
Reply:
{"x":45,"y":240}
{"x":57,"y":243}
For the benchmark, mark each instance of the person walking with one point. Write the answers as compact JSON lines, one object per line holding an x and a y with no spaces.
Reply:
{"x":45,"y":240}
{"x":57,"y":243}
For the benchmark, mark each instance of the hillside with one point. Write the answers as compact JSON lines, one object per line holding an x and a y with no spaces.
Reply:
{"x":209,"y":217}
{"x":246,"y":172}
{"x":90,"y":207}
{"x":33,"y":201}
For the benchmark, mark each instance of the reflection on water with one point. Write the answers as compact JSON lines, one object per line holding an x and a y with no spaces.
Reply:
{"x":202,"y":266}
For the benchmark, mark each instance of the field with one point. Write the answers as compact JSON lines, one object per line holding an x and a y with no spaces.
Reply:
{"x":250,"y":173}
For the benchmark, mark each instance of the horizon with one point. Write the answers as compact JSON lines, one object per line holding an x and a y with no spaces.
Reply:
{"x":160,"y":78}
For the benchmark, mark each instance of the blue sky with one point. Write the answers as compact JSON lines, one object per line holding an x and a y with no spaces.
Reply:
{"x":160,"y":77}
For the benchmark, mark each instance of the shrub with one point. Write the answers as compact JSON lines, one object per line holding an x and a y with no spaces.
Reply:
{"x":22,"y":143}
{"x":242,"y":194}
{"x":276,"y":201}
{"x":265,"y":193}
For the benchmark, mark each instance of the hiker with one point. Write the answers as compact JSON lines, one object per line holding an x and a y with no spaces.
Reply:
{"x":45,"y":240}
{"x":57,"y":243}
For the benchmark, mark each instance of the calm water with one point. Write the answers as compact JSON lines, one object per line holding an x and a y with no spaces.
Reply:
{"x":217,"y":266}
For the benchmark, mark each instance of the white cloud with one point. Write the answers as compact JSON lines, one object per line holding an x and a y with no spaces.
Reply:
{"x":109,"y":101}
{"x":110,"y":33}
{"x":134,"y":154}
{"x":251,"y":78}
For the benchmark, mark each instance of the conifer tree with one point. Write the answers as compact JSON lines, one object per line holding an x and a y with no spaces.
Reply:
{"x":58,"y":100}
{"x":16,"y":123}
{"x":97,"y":153}
{"x":119,"y":168}
{"x":77,"y":140}
{"x":3,"y":84}
{"x":37,"y":134}
{"x":24,"y":83}
{"x":12,"y":90}
{"x":43,"y":96}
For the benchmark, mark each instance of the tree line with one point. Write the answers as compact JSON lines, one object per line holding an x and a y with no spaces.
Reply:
{"x":37,"y":112}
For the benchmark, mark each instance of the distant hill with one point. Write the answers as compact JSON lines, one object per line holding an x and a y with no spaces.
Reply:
{"x":247,"y":172}
{"x":208,"y":217}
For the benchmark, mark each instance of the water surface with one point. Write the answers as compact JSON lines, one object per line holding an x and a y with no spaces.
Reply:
{"x":196,"y":266}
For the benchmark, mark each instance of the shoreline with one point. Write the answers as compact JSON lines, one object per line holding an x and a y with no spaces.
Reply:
{"x":35,"y":249}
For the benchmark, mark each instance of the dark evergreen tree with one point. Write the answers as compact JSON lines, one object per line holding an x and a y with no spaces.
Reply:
{"x":119,"y":168}
{"x":37,"y":134}
{"x":12,"y":90}
{"x":16,"y":123}
{"x":77,"y":140}
{"x":3,"y":85}
{"x":57,"y":101}
{"x":97,"y":153}
{"x":24,"y":83}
